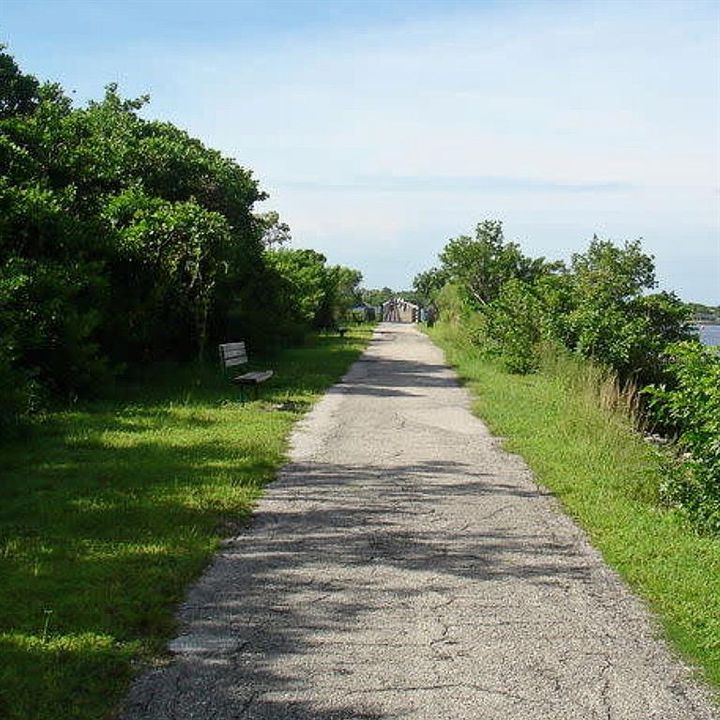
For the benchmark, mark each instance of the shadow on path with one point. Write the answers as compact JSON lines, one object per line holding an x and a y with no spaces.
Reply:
{"x":335,"y":544}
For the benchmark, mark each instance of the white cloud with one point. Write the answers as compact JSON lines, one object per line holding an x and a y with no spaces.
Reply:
{"x":379,"y":143}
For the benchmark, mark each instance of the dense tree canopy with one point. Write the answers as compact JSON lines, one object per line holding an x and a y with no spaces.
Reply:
{"x":600,"y":307}
{"x":124,"y":239}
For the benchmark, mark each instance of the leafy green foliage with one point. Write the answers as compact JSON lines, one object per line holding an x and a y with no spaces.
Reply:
{"x":311,"y":292}
{"x":496,"y":291}
{"x":691,"y":405}
{"x":515,"y":322}
{"x":612,"y":320}
{"x":167,"y":261}
{"x":601,"y":308}
{"x":304,"y":281}
{"x":376,"y":296}
{"x":346,"y":290}
{"x":274,"y":232}
{"x":125,"y":240}
{"x":50,"y":295}
{"x":18,"y":92}
{"x":481,"y":265}
{"x":428,"y":284}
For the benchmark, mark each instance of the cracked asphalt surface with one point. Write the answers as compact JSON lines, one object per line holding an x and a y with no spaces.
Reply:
{"x":404,"y":566}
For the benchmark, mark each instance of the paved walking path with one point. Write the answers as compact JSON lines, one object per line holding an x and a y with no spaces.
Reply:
{"x":403,"y":566}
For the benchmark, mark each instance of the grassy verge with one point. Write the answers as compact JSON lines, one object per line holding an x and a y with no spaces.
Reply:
{"x":606,"y":476}
{"x":107,"y":512}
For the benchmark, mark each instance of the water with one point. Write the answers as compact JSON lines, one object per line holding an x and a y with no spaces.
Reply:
{"x":710,"y":335}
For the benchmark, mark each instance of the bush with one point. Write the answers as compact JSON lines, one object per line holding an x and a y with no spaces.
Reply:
{"x":692,"y":407}
{"x":613,"y":320}
{"x":472,"y":326}
{"x":515,"y":321}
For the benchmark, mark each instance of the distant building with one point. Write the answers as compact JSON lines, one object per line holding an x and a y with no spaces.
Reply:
{"x":400,"y":310}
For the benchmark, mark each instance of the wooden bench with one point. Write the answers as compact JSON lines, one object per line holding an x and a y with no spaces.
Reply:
{"x":234,"y":354}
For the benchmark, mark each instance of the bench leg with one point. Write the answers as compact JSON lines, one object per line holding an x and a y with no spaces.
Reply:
{"x":245,"y":392}
{"x":255,"y":396}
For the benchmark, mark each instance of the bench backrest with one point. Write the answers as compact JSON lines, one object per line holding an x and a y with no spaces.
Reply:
{"x":233,"y":354}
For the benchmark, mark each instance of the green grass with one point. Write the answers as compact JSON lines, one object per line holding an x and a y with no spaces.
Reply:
{"x":108,"y":511}
{"x":607,"y":477}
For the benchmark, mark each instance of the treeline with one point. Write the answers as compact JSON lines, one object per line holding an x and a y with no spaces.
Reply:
{"x":601,"y":307}
{"x":705,"y":313}
{"x":377,"y":296}
{"x":125,"y":240}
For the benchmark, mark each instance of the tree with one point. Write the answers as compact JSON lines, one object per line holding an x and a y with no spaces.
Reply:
{"x":305,"y":281}
{"x":119,"y":238}
{"x":347,"y":289}
{"x":274,"y":233}
{"x":689,"y":406}
{"x":124,"y":239}
{"x":514,"y":321}
{"x":168,"y":259}
{"x":613,"y":319}
{"x":429,"y":283}
{"x":375,"y":296}
{"x":18,"y":91}
{"x":481,"y":265}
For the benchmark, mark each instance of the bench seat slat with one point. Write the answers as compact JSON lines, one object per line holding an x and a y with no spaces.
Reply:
{"x":229,"y":349}
{"x":239,"y":360}
{"x":253,"y":378}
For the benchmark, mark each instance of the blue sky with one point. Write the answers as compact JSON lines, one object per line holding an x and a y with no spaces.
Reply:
{"x":381,"y":129}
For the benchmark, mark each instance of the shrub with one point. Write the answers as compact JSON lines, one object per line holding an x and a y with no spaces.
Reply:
{"x":613,"y":320}
{"x":515,"y":321}
{"x":692,"y":407}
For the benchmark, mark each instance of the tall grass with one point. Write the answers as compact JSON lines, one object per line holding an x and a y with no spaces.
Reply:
{"x":597,"y":384}
{"x":109,"y":510}
{"x":571,"y":423}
